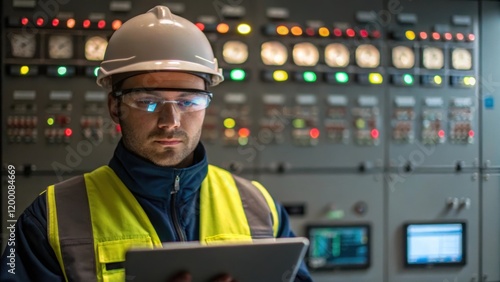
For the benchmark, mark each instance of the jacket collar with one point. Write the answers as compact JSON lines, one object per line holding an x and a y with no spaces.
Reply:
{"x":145,"y":179}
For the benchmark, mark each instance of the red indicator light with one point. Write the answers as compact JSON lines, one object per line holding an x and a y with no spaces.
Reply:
{"x":460,"y":36}
{"x":314,"y":133}
{"x":86,"y":23}
{"x":376,"y":34}
{"x":101,"y":24}
{"x":310,"y":31}
{"x":118,"y":128}
{"x":201,"y":26}
{"x":436,"y":36}
{"x":55,"y":22}
{"x":375,"y":133}
{"x":39,"y":21}
{"x":471,"y":37}
{"x":423,"y":35}
{"x":350,"y":32}
{"x":363,"y":33}
{"x":68,"y":132}
{"x":116,"y":24}
{"x":24,"y":21}
{"x":471,"y":133}
{"x":244,"y":132}
{"x":448,"y":36}
{"x":441,"y":133}
{"x":337,"y":32}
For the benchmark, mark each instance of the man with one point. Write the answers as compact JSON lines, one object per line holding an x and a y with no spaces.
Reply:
{"x":158,"y":187}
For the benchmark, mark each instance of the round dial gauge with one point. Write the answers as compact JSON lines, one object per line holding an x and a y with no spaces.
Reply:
{"x":273,"y":53}
{"x":305,"y":54}
{"x":235,"y":52}
{"x":367,"y":56}
{"x":337,"y":55}
{"x":23,"y":45}
{"x":403,"y":57}
{"x":461,"y":59}
{"x":95,"y":47}
{"x":433,"y":58}
{"x":60,"y":47}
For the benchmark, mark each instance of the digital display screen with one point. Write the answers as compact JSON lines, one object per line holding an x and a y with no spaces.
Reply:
{"x":440,"y":244}
{"x":339,"y":247}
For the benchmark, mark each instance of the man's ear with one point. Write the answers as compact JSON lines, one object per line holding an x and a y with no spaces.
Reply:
{"x":113,"y":105}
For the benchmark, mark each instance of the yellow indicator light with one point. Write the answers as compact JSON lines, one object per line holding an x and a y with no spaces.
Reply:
{"x":280,"y":75}
{"x":324,"y":32}
{"x":229,"y":133}
{"x":229,"y":123}
{"x":299,"y":123}
{"x":296,"y":30}
{"x":438,"y":79}
{"x":282,"y":30}
{"x":469,"y":81}
{"x":244,"y":28}
{"x":360,"y":123}
{"x":375,"y":78}
{"x":410,"y":35}
{"x":24,"y":70}
{"x":222,"y":28}
{"x":243,"y":141}
{"x":50,"y":121}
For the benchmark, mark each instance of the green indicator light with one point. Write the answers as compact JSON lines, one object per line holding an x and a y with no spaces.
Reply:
{"x":309,"y":76}
{"x":96,"y":71}
{"x":237,"y":74}
{"x":243,"y":141}
{"x":408,"y":79}
{"x":342,"y":77}
{"x":62,"y":71}
{"x":299,"y":123}
{"x":50,"y":121}
{"x":229,"y":123}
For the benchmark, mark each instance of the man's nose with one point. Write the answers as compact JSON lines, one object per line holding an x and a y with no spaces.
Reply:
{"x":170,"y":116}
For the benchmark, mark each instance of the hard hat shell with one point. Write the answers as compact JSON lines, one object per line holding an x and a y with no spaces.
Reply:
{"x":158,"y":41}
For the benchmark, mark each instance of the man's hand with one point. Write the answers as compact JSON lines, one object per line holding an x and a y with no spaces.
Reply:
{"x":186,"y":277}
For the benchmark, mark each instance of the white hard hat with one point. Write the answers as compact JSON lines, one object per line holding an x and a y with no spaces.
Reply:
{"x":158,"y":41}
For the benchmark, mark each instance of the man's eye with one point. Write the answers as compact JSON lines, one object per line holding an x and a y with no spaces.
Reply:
{"x":187,"y":103}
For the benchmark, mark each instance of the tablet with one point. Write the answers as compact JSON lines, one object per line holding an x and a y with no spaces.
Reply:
{"x":263,"y":260}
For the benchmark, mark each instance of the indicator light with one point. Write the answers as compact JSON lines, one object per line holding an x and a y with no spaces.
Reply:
{"x":375,"y":78}
{"x":68,"y":132}
{"x":86,"y":23}
{"x":375,"y":133}
{"x":376,"y":34}
{"x":471,"y":37}
{"x":200,"y":26}
{"x":24,"y":70}
{"x":310,"y":31}
{"x":222,"y":28}
{"x":436,"y":36}
{"x":350,"y":32}
{"x":101,"y":24}
{"x":116,"y":24}
{"x":244,"y":132}
{"x":96,"y":71}
{"x":323,"y":32}
{"x":314,"y":133}
{"x":469,"y":81}
{"x":62,"y":71}
{"x":70,"y":23}
{"x":298,"y":123}
{"x":448,"y":36}
{"x":229,"y":123}
{"x":55,"y":22}
{"x":360,"y":123}
{"x":40,"y":21}
{"x":410,"y":35}
{"x":24,"y":21}
{"x":237,"y":74}
{"x":243,"y":141}
{"x":341,"y":77}
{"x":280,"y":75}
{"x":438,"y":80}
{"x":296,"y":31}
{"x":282,"y":30}
{"x":229,"y":133}
{"x":363,"y":33}
{"x":441,"y":133}
{"x":460,"y":36}
{"x":50,"y":121}
{"x":243,"y":28}
{"x":309,"y":76}
{"x":337,"y":32}
{"x":423,"y":35}
{"x":408,"y":79}
{"x":471,"y":133}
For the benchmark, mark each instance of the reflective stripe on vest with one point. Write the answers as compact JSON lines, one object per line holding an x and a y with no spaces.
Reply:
{"x":94,"y":249}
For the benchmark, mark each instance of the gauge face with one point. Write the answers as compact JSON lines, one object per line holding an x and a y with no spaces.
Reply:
{"x":367,"y":56}
{"x":273,"y":53}
{"x":95,"y":47}
{"x":403,"y":57}
{"x":235,"y":52}
{"x":337,"y":55}
{"x":433,"y":58}
{"x":305,"y":54}
{"x":461,"y":59}
{"x":60,"y":47}
{"x":23,"y":45}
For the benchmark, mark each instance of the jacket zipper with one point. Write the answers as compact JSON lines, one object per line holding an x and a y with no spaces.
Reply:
{"x":173,"y":211}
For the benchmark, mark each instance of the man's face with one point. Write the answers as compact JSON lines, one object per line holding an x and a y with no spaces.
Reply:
{"x":167,"y":137}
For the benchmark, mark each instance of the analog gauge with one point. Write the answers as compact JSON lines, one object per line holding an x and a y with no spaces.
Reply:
{"x":273,"y":53}
{"x":60,"y":47}
{"x":403,"y":57}
{"x":461,"y":59}
{"x":23,"y":45}
{"x":305,"y":54}
{"x":367,"y":56}
{"x":337,"y":55}
{"x":235,"y":52}
{"x":433,"y":58}
{"x":95,"y":47}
